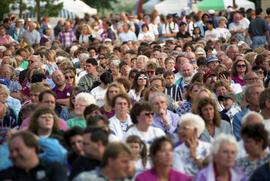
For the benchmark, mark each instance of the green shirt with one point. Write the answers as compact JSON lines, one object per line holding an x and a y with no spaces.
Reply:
{"x":24,"y":64}
{"x":76,"y":122}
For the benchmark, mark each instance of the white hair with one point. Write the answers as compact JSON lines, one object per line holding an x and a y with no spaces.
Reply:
{"x":222,"y":139}
{"x":153,"y":96}
{"x":195,"y":120}
{"x":84,"y":56}
{"x":250,"y":117}
{"x":115,"y":62}
{"x":143,"y":58}
{"x":87,"y":97}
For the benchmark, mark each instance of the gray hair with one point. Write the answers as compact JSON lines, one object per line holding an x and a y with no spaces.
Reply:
{"x":143,"y":58}
{"x":195,"y":120}
{"x":83,"y":56}
{"x":222,"y":139}
{"x":250,"y":117}
{"x":87,"y":97}
{"x":158,"y":94}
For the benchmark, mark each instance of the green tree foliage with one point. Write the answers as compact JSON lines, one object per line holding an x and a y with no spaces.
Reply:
{"x":4,"y":4}
{"x":100,"y":4}
{"x":51,"y":8}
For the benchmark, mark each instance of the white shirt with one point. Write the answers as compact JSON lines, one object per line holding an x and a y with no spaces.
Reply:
{"x":224,"y":33}
{"x":182,"y":160}
{"x":146,"y":36}
{"x":116,"y":128}
{"x":148,"y":136}
{"x":211,"y":35}
{"x":133,"y":96}
{"x":99,"y":94}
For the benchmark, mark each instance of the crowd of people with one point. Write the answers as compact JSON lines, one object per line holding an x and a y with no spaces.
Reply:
{"x":146,"y":97}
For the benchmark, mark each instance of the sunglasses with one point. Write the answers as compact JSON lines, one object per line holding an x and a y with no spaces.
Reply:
{"x":259,"y":72}
{"x":69,"y":77}
{"x":149,"y":114}
{"x":142,"y":78}
{"x":241,"y":65}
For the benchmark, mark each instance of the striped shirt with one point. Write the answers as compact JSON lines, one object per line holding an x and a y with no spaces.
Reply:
{"x":174,"y":92}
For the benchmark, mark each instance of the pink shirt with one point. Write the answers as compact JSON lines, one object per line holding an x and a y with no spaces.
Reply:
{"x":173,"y":175}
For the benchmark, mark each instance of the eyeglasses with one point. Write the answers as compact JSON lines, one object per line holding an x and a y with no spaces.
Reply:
{"x":69,"y":77}
{"x":241,"y":65}
{"x":149,"y":114}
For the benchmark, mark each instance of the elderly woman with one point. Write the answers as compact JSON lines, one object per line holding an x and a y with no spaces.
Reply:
{"x":141,"y":62}
{"x":142,"y":117}
{"x":120,"y":122}
{"x":255,"y":138}
{"x":114,"y":67}
{"x":223,"y":153}
{"x":82,"y":100}
{"x":189,"y":156}
{"x":163,"y":118}
{"x":161,"y":153}
{"x":207,"y":109}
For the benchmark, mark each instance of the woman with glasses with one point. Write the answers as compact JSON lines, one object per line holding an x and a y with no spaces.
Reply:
{"x":70,"y":77}
{"x":239,"y":69}
{"x":138,"y":86}
{"x":142,"y":117}
{"x":121,"y":121}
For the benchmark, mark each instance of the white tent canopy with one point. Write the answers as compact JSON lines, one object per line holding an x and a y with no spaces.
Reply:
{"x":76,"y":8}
{"x":149,"y":6}
{"x":240,"y":4}
{"x":172,"y":6}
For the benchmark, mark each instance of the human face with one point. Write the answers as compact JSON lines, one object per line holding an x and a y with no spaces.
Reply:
{"x":213,"y":65}
{"x":186,"y":71}
{"x":76,"y":143}
{"x":5,"y":73}
{"x":135,"y":148}
{"x":121,"y":106}
{"x":164,"y":156}
{"x":169,"y":80}
{"x":80,"y":106}
{"x":142,"y":80}
{"x":227,"y":103}
{"x":112,"y":92}
{"x":145,"y":118}
{"x":69,"y":79}
{"x":170,"y":64}
{"x":160,"y":104}
{"x":253,"y":97}
{"x":90,"y":68}
{"x":45,"y":121}
{"x":194,"y":92}
{"x":241,"y":67}
{"x":186,"y":132}
{"x":120,"y":166}
{"x":221,"y":91}
{"x":58,"y":78}
{"x":48,"y":100}
{"x":158,"y":83}
{"x":208,"y":113}
{"x":89,"y":147}
{"x":140,"y":64}
{"x":19,"y":153}
{"x":260,"y":74}
{"x":226,"y":155}
{"x":251,"y":146}
{"x":114,"y":69}
{"x":252,"y":78}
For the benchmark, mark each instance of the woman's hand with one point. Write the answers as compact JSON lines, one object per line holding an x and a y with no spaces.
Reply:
{"x":192,"y":144}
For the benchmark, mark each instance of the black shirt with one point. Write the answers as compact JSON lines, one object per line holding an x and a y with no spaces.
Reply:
{"x":42,"y":172}
{"x":83,"y":164}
